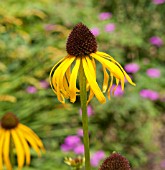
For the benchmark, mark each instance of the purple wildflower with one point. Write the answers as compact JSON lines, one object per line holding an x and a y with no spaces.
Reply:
{"x":157,"y":41}
{"x":105,"y":15}
{"x":97,"y":157}
{"x":31,"y":89}
{"x":49,"y":27}
{"x":80,"y":132}
{"x":89,"y":111}
{"x":95,"y":31}
{"x":118,"y":91}
{"x":157,"y":2}
{"x":110,"y":27}
{"x":132,"y":67}
{"x":153,"y":72}
{"x":79,"y":149}
{"x":44,"y":84}
{"x":149,"y":94}
{"x":162,"y":164}
{"x":72,"y":140}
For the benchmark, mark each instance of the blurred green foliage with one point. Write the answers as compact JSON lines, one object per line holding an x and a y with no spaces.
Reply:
{"x":32,"y":40}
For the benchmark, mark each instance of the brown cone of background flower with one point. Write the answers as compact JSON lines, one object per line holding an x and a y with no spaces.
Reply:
{"x":115,"y":162}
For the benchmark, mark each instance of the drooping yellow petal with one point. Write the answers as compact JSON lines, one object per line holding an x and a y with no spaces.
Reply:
{"x":114,"y":89}
{"x":93,"y":84}
{"x":19,"y":148}
{"x":91,"y":94}
{"x":24,"y":144}
{"x":6,"y":146}
{"x":102,"y":54}
{"x":53,"y":70}
{"x":28,"y":131}
{"x":2,"y":135}
{"x":72,"y":83}
{"x":113,"y":68}
{"x":109,"y":88}
{"x":106,"y":79}
{"x":59,"y":74}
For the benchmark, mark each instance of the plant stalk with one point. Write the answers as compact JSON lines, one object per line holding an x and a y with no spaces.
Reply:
{"x":83,"y":99}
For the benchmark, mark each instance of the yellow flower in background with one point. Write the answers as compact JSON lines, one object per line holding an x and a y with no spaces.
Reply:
{"x":16,"y":135}
{"x":82,"y":52}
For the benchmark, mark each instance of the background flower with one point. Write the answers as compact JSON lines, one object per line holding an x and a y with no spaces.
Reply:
{"x":95,"y":31}
{"x":149,"y":94}
{"x":132,"y":67}
{"x":157,"y":41}
{"x":110,"y":27}
{"x":153,"y":72}
{"x":97,"y":157}
{"x":105,"y":15}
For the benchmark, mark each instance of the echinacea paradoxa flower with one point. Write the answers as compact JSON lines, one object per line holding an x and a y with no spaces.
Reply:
{"x":115,"y":162}
{"x":157,"y":41}
{"x":82,"y":52}
{"x":21,"y":136}
{"x":153,"y":72}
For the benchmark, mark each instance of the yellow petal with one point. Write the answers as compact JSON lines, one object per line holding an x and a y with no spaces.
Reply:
{"x":24,"y":144}
{"x":19,"y":148}
{"x":6,"y":149}
{"x":91,"y":94}
{"x":93,"y":84}
{"x":112,"y":59}
{"x":113,"y":68}
{"x":27,"y":130}
{"x":2,"y":135}
{"x":72,"y":83}
{"x":114,"y":89}
{"x":59,"y":74}
{"x":109,"y":89}
{"x":106,"y":79}
{"x":53,"y":70}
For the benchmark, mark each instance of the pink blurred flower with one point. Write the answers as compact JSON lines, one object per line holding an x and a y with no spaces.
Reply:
{"x":79,"y":149}
{"x":132,"y":67}
{"x":118,"y":91}
{"x":31,"y":89}
{"x":95,"y":31}
{"x":80,"y":132}
{"x":49,"y":27}
{"x":149,"y":94}
{"x":157,"y":2}
{"x":153,"y":72}
{"x":89,"y":111}
{"x":96,"y":158}
{"x":105,"y":15}
{"x":157,"y":41}
{"x":70,"y":143}
{"x":44,"y":84}
{"x":110,"y":27}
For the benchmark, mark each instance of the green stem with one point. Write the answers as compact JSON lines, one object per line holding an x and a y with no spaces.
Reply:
{"x":83,"y":98}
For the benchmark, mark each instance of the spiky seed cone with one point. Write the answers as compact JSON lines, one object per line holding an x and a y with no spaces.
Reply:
{"x":81,"y":41}
{"x":115,"y":162}
{"x":9,"y":121}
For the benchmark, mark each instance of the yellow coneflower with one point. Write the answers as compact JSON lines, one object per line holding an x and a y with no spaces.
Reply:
{"x":13,"y":133}
{"x":82,"y":51}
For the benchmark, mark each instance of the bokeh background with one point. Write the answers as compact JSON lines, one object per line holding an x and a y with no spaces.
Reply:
{"x":33,"y":34}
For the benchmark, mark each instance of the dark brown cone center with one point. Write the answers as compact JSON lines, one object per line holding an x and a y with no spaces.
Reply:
{"x":81,"y":41}
{"x":115,"y":162}
{"x":9,"y":121}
